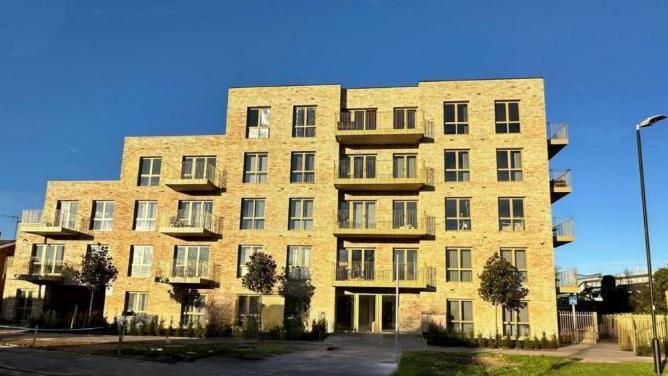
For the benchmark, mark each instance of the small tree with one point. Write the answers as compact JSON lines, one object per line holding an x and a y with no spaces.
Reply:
{"x":260,"y":277}
{"x":297,"y":293}
{"x":97,"y":272}
{"x":501,"y":284}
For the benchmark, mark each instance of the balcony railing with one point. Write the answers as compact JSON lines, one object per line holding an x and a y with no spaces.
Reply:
{"x":567,"y":281}
{"x":409,"y":224}
{"x":45,"y":270}
{"x":62,"y":222}
{"x":188,"y":224}
{"x":210,"y":178}
{"x":376,"y":177}
{"x":560,"y":184}
{"x":369,"y":274}
{"x":563,"y":231}
{"x":299,"y":272}
{"x":189,"y":272}
{"x":381,"y":127}
{"x":557,"y":137}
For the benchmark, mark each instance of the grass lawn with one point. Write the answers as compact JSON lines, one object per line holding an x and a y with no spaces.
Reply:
{"x":188,"y":352}
{"x":437,"y":363}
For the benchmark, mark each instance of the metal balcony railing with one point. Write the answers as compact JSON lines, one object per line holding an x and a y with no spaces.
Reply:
{"x":188,"y":270}
{"x":368,"y":271}
{"x":560,"y":178}
{"x":209,"y":172}
{"x":45,"y":266}
{"x":379,"y":122}
{"x":558,"y":131}
{"x":185,"y":219}
{"x":407,"y":220}
{"x":567,"y":278}
{"x":65,"y":219}
{"x":377,"y":172}
{"x":563,"y":227}
{"x":299,"y":272}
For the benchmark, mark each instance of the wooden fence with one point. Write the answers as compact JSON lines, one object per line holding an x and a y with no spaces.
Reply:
{"x":584,"y":329}
{"x":633,"y":332}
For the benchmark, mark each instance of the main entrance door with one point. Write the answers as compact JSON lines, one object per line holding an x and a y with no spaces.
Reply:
{"x":388,"y":313}
{"x":365,"y":312}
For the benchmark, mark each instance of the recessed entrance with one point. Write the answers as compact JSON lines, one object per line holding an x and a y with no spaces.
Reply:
{"x":365,"y":312}
{"x":389,"y":312}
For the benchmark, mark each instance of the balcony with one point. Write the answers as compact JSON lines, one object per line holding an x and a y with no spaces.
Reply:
{"x":202,"y":225}
{"x":194,"y":273}
{"x":557,"y":138}
{"x":45,"y":271}
{"x":366,"y":274}
{"x":205,"y":178}
{"x":560,"y":184}
{"x":62,"y":223}
{"x":370,"y":127}
{"x":563,"y":232}
{"x":348,"y":180}
{"x":567,"y":281}
{"x":403,"y":228}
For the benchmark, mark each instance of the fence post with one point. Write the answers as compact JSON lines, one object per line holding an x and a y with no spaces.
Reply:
{"x":34,"y":335}
{"x":633,"y":339}
{"x":595,"y":322}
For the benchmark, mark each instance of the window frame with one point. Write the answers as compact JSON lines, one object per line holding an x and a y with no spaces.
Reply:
{"x":51,"y":260}
{"x":256,"y":175}
{"x":459,"y":270}
{"x":514,"y":323}
{"x":300,"y":174}
{"x":513,"y":260}
{"x":141,"y":215}
{"x":143,"y":267}
{"x":247,"y":250}
{"x":104,"y":223}
{"x":462,"y":174}
{"x":249,"y":301}
{"x":516,"y":223}
{"x":463,"y":223}
{"x":307,"y":130}
{"x":209,"y":169}
{"x":408,"y":270}
{"x":300,"y":221}
{"x":257,"y":221}
{"x":128,"y":300}
{"x":460,"y":126}
{"x":403,"y":114}
{"x":25,"y":299}
{"x":457,"y":324}
{"x":261,"y":131}
{"x":193,"y":311}
{"x":153,"y":178}
{"x":506,"y":124}
{"x":297,"y":271}
{"x":403,"y":160}
{"x":512,"y":172}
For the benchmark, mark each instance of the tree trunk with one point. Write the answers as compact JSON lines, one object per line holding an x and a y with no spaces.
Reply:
{"x":496,"y":321}
{"x":90,"y":307}
{"x":259,"y":325}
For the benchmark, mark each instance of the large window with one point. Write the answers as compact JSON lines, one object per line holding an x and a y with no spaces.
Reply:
{"x":191,"y":261}
{"x":458,"y":265}
{"x":303,"y":123}
{"x":358,"y":167}
{"x":457,"y":165}
{"x":193,"y":311}
{"x":517,"y":257}
{"x":404,"y":118}
{"x":460,"y":315}
{"x":149,"y":171}
{"x":103,"y":215}
{"x":299,"y":261}
{"x":457,"y":214}
{"x":136,"y":302}
{"x":47,"y":259}
{"x":509,"y":165}
{"x":404,"y":166}
{"x":516,"y":322}
{"x":355,"y":264}
{"x":145,"y":213}
{"x":248,"y":308}
{"x":511,"y":214}
{"x":301,"y":214}
{"x":455,"y":118}
{"x":357,"y":214}
{"x":405,"y":262}
{"x":198,"y":168}
{"x":245,"y":252}
{"x":252,"y":213}
{"x":141,"y":260}
{"x":194,"y":214}
{"x":360,"y":119}
{"x":404,"y":214}
{"x":24,"y":301}
{"x":66,"y":214}
{"x":255,"y":167}
{"x":257,"y":122}
{"x":302,"y":167}
{"x":507,"y":114}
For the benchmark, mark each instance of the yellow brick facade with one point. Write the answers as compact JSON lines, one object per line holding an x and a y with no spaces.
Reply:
{"x":483,"y":189}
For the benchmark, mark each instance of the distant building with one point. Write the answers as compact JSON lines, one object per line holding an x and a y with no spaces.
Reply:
{"x":6,"y":258}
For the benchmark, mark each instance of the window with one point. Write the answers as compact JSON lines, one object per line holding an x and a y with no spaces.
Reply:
{"x":245,"y":252}
{"x":299,"y":261}
{"x":455,"y":118}
{"x":303,"y":122}
{"x":358,"y":167}
{"x":255,"y":167}
{"x":198,"y":168}
{"x":92,"y":248}
{"x":194,"y":214}
{"x":355,"y":264}
{"x":66,"y":214}
{"x":103,"y":215}
{"x":252,"y":213}
{"x":509,"y":165}
{"x":511,"y":214}
{"x":460,"y":315}
{"x":404,"y":166}
{"x":191,"y":261}
{"x":257,"y":122}
{"x":457,"y":165}
{"x":516,"y":322}
{"x":458,"y":265}
{"x":24,"y":300}
{"x":149,"y":171}
{"x":193,"y":311}
{"x":302,"y":167}
{"x":141,"y":260}
{"x":47,"y":259}
{"x":404,"y":214}
{"x":405,"y":261}
{"x":404,"y":118}
{"x":517,"y":257}
{"x":145,"y":213}
{"x":457,"y":214}
{"x":301,"y":214}
{"x":507,"y":116}
{"x":361,"y":119}
{"x":362,"y":215}
{"x":248,"y":308}
{"x":136,"y":302}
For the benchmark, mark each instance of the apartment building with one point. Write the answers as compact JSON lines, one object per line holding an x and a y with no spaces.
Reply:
{"x":351,"y":188}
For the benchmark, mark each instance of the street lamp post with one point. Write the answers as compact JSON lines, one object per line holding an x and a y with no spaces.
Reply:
{"x":655,"y":341}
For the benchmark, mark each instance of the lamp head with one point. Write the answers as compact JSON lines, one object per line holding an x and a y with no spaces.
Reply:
{"x":650,"y":121}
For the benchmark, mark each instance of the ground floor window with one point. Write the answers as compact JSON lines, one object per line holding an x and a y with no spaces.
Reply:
{"x":516,"y":322}
{"x":248,"y":308}
{"x":193,"y":311}
{"x":460,"y":316}
{"x":136,"y":302}
{"x":24,"y":300}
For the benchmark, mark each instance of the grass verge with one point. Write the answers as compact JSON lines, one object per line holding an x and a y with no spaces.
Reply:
{"x":489,"y":364}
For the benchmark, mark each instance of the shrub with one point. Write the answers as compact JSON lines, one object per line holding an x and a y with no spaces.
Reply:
{"x":554,"y":342}
{"x":189,"y":330}
{"x":160,"y":328}
{"x":250,"y":329}
{"x":132,"y":328}
{"x":275,"y":333}
{"x":319,"y":329}
{"x":544,"y":343}
{"x":200,"y":330}
{"x":536,"y":343}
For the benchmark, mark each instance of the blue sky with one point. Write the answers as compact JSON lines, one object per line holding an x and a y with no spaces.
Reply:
{"x":78,"y":76}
